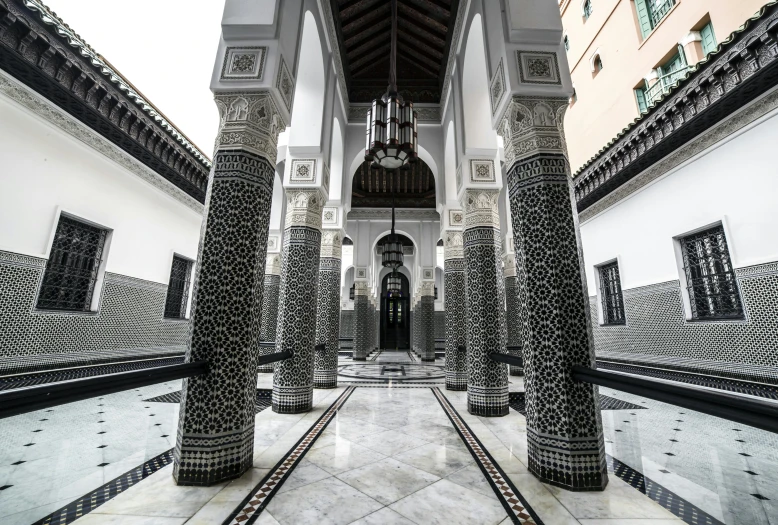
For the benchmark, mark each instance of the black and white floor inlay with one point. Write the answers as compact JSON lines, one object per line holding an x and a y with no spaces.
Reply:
{"x":392,"y":371}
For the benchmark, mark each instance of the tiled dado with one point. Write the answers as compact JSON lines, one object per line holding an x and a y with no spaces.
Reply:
{"x":657,"y":331}
{"x":130,"y":318}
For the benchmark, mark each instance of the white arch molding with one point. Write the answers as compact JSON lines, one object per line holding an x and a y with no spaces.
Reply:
{"x":478,"y":131}
{"x":336,"y":162}
{"x":450,"y":163}
{"x":308,"y":106}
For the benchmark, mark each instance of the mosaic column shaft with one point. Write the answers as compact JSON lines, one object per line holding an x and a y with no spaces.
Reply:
{"x":512,"y":315}
{"x":325,"y":366}
{"x":270,"y":307}
{"x":293,"y":378}
{"x":456,"y":314}
{"x":215,"y":436}
{"x":487,"y":381}
{"x":564,"y":427}
{"x":361,"y":321}
{"x":427,"y":315}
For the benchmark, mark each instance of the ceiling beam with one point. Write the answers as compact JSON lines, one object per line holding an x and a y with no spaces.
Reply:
{"x":417,"y":60}
{"x":430,"y":39}
{"x":357,"y":8}
{"x":406,"y":11}
{"x":357,"y":52}
{"x":366,"y":59}
{"x":357,"y":24}
{"x":432,"y":9}
{"x":367,"y":33}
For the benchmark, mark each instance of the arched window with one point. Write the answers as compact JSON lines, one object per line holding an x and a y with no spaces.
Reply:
{"x":586,"y":9}
{"x":566,"y":40}
{"x":595,"y":62}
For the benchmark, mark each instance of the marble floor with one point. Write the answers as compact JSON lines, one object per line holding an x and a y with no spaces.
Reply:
{"x":395,"y":449}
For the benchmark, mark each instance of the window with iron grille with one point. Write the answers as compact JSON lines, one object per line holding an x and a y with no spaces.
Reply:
{"x":587,"y":8}
{"x":178,"y":289}
{"x":710,"y":277}
{"x":610,"y":294}
{"x":72,"y":269}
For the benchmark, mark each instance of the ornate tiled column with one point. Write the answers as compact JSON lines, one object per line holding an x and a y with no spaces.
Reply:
{"x":512,"y":316}
{"x":456,"y":314}
{"x":427,"y":315}
{"x":325,"y":367}
{"x":215,"y":434}
{"x":487,"y":381}
{"x":361,"y":320}
{"x":293,"y":378}
{"x":564,"y":428}
{"x":270,"y":306}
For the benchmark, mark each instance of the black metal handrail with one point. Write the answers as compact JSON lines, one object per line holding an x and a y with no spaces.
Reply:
{"x":753,"y":412}
{"x":15,"y":402}
{"x":513,"y":360}
{"x":274,"y":356}
{"x":320,"y":348}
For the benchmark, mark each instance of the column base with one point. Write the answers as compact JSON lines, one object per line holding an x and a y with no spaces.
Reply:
{"x":487,"y":402}
{"x":325,"y":379}
{"x":459,"y":387}
{"x":576,"y":465}
{"x":202,"y":461}
{"x":292,"y":400}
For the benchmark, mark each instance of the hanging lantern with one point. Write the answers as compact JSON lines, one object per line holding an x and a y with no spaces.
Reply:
{"x":394,"y":284}
{"x":391,"y":137}
{"x":392,"y":256}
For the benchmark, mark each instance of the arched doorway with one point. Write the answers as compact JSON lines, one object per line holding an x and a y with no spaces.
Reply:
{"x":395,"y":324}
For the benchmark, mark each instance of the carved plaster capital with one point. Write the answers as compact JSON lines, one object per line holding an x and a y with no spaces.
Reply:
{"x":532,"y":125}
{"x":273,"y":264}
{"x":481,"y":208}
{"x":304,"y":207}
{"x":249,"y":120}
{"x":331,"y":243}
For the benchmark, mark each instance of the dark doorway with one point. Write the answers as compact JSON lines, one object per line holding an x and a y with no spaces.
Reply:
{"x":395,"y":325}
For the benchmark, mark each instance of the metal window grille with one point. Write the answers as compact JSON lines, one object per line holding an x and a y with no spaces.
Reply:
{"x":710,"y":277}
{"x":612,"y":298}
{"x":587,"y":8}
{"x":178,"y":288}
{"x":71,"y":271}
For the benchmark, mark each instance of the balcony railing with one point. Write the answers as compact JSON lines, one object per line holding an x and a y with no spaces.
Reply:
{"x":658,"y":9}
{"x":663,"y":84}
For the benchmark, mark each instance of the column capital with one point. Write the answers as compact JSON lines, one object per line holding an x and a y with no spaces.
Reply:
{"x":250,"y":121}
{"x":304,"y":207}
{"x":361,"y":289}
{"x":453,"y":245}
{"x":331,"y":243}
{"x":427,"y":289}
{"x":273,"y":264}
{"x":481,"y":208}
{"x":509,"y":265}
{"x":532,"y":125}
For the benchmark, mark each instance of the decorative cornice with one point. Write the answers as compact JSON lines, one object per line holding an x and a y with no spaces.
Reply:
{"x":719,"y":132}
{"x":409,"y":214}
{"x":42,"y":52}
{"x":304,"y":207}
{"x":744,"y":67}
{"x":251,"y":121}
{"x":51,"y":113}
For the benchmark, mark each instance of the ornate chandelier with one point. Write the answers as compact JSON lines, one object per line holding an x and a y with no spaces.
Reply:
{"x":394,"y":284}
{"x":391,"y":136}
{"x":392,"y":255}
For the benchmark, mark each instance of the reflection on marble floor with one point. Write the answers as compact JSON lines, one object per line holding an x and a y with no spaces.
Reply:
{"x":48,"y":458}
{"x":727,"y":469}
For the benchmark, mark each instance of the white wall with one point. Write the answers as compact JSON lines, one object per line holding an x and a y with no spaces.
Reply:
{"x":44,"y":169}
{"x":735,"y":182}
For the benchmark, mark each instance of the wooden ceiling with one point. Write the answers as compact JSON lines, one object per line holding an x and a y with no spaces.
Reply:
{"x":372,"y":187}
{"x":424,"y":30}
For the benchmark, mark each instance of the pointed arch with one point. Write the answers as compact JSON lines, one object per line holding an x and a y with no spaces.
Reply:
{"x":475,"y":91}
{"x":336,"y":162}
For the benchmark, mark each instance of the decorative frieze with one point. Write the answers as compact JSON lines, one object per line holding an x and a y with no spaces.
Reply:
{"x":531,"y":125}
{"x":243,"y":63}
{"x":304,"y":208}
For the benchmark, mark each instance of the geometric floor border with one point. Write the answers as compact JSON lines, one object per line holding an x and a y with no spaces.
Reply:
{"x":252,"y":506}
{"x":86,"y":504}
{"x":666,"y":498}
{"x":517,"y":507}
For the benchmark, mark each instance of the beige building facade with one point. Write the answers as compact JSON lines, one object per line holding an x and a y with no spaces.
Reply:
{"x":625,"y":54}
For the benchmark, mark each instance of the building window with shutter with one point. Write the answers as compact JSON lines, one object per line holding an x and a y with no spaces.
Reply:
{"x":611,"y":298}
{"x":566,"y":40}
{"x":711,"y":285}
{"x":177,"y":299}
{"x":669,"y":74}
{"x":640,"y":97}
{"x":651,"y":12}
{"x":708,"y":38}
{"x":72,"y":270}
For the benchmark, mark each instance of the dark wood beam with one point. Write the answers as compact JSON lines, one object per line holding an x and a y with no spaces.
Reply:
{"x":357,"y":24}
{"x":367,"y":33}
{"x":414,"y":37}
{"x":417,"y":60}
{"x":432,"y":9}
{"x":369,"y":46}
{"x":406,"y":11}
{"x":367,"y":59}
{"x":430,"y":63}
{"x":358,"y":8}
